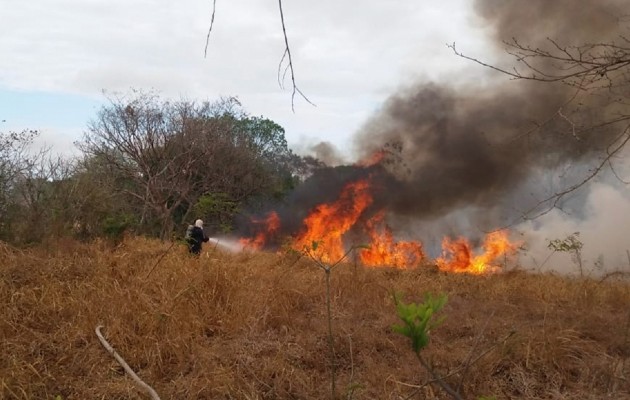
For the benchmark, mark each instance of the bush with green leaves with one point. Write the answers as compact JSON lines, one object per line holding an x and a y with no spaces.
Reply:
{"x":115,"y":226}
{"x":418,"y":320}
{"x":572,"y":245}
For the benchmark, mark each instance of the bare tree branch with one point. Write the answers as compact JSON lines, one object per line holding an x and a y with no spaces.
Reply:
{"x":615,"y":147}
{"x":125,"y":366}
{"x":287,"y":53}
{"x":598,"y":76}
{"x":214,"y":9}
{"x":614,"y":171}
{"x":591,"y":61}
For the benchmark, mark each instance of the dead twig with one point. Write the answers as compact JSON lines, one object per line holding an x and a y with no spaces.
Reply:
{"x":125,"y":366}
{"x":352,"y":386}
{"x":289,"y":67}
{"x":621,"y":274}
{"x":214,"y":9}
{"x":462,"y":367}
{"x":160,"y":259}
{"x":467,"y":363}
{"x":439,"y":379}
{"x":286,"y":55}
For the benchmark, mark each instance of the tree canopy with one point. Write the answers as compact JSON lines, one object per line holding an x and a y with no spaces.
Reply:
{"x":148,"y":164}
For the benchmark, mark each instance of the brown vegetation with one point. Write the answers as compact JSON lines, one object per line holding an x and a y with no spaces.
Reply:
{"x":253,"y":326}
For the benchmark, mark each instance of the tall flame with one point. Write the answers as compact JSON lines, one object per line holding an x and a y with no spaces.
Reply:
{"x":267,"y":228}
{"x":457,"y":255}
{"x":385,"y":251}
{"x":327,"y":223}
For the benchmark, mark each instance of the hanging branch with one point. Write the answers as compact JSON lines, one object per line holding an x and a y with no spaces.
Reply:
{"x":125,"y":366}
{"x":588,"y":63}
{"x":287,"y":55}
{"x":548,"y":204}
{"x":592,"y":69}
{"x":214,"y":9}
{"x":552,"y":201}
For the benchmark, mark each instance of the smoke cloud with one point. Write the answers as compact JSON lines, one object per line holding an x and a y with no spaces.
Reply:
{"x":326,"y":153}
{"x":480,"y":155}
{"x":604,"y":234}
{"x":474,"y":145}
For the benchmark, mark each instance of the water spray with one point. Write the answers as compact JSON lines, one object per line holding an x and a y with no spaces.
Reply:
{"x":231,"y":245}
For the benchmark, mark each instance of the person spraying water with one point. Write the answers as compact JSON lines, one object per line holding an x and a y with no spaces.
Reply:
{"x":195,"y":237}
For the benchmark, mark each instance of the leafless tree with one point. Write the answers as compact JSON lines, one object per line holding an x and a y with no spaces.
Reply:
{"x":43,"y":193}
{"x":168,"y":154}
{"x":38,"y":193}
{"x":14,"y":158}
{"x":134,"y":140}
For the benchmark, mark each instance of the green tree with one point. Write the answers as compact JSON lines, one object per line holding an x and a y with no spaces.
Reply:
{"x":167,"y":155}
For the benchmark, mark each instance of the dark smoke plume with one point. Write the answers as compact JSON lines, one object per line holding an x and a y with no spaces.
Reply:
{"x":472,"y":146}
{"x":454,"y":147}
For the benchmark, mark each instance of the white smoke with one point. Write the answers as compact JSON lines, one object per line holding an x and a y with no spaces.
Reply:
{"x":604,"y":230}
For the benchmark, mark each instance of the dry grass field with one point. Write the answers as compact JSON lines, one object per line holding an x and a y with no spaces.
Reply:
{"x":253,"y":326}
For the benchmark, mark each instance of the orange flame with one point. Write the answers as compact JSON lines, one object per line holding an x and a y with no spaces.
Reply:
{"x":327,"y":223}
{"x":384,"y":251}
{"x":269,"y":226}
{"x":372,"y":159}
{"x":462,"y":259}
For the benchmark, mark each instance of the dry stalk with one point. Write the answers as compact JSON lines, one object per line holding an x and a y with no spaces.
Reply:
{"x":126,"y":366}
{"x":160,"y":259}
{"x":463,"y":367}
{"x":467,"y":363}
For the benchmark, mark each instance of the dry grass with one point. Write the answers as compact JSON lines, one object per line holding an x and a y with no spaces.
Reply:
{"x":253,"y":326}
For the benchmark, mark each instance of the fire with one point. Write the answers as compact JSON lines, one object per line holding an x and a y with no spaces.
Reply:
{"x":330,"y":224}
{"x":327,"y":223}
{"x":372,"y":159}
{"x":384,"y":251}
{"x":457,"y":255}
{"x":269,"y":225}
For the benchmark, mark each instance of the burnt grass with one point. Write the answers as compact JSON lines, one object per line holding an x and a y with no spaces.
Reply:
{"x":253,"y":326}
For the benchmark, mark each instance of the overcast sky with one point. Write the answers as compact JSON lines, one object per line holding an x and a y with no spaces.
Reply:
{"x":59,"y":55}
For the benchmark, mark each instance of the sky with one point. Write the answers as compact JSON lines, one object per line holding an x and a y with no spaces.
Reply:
{"x":61,"y":56}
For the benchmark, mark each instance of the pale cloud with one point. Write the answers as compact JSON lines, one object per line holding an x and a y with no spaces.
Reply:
{"x":349,"y":56}
{"x":57,"y":142}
